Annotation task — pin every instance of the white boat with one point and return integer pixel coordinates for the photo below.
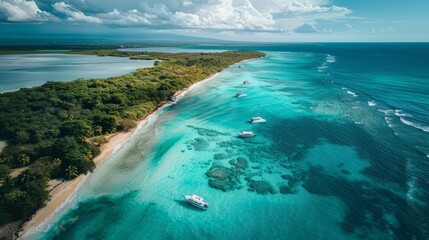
(196, 201)
(246, 82)
(246, 134)
(240, 95)
(257, 120)
(240, 66)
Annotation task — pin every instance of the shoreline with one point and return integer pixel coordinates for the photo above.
(62, 192)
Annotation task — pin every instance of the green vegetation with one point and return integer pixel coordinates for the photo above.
(55, 129)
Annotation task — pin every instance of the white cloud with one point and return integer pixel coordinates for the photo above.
(388, 29)
(274, 15)
(222, 15)
(23, 11)
(227, 33)
(295, 14)
(74, 14)
(308, 11)
(307, 28)
(187, 3)
(133, 17)
(213, 14)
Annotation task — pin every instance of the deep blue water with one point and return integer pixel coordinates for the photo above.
(344, 154)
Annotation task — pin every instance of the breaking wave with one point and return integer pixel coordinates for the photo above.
(330, 58)
(400, 113)
(415, 125)
(372, 103)
(352, 93)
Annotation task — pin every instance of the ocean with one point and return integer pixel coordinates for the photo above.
(343, 155)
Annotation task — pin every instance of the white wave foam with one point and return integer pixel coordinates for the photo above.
(400, 113)
(344, 88)
(388, 121)
(352, 93)
(412, 184)
(321, 68)
(386, 112)
(330, 58)
(415, 125)
(359, 122)
(372, 103)
(411, 189)
(427, 156)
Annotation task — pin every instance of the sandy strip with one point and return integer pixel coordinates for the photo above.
(61, 191)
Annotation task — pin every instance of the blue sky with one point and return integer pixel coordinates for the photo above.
(246, 20)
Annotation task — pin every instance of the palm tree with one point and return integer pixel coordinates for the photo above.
(26, 178)
(5, 159)
(23, 159)
(56, 167)
(88, 132)
(71, 172)
(98, 130)
(56, 161)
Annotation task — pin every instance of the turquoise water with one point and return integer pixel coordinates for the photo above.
(29, 70)
(333, 161)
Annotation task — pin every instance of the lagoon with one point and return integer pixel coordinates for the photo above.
(29, 70)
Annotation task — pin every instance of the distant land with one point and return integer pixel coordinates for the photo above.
(10, 41)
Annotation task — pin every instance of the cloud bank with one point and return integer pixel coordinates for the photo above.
(222, 15)
(23, 11)
(73, 14)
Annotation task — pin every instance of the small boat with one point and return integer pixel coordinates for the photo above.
(246, 134)
(196, 201)
(257, 120)
(240, 66)
(246, 82)
(240, 95)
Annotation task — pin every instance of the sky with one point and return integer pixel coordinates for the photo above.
(238, 20)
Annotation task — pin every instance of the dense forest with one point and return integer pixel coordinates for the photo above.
(55, 130)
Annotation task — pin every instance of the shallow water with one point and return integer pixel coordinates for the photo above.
(326, 165)
(29, 70)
